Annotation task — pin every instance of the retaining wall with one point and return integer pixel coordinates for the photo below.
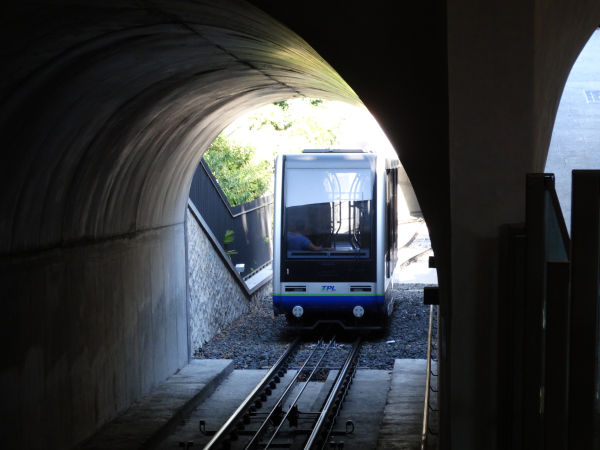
(216, 297)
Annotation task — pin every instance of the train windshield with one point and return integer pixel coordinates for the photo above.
(328, 212)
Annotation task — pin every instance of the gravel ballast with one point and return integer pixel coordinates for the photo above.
(256, 340)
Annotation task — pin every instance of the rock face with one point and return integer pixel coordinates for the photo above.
(215, 299)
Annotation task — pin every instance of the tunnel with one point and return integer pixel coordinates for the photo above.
(107, 108)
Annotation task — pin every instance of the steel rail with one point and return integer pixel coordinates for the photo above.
(247, 403)
(282, 397)
(330, 409)
(299, 394)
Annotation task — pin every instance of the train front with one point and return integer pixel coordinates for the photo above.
(325, 266)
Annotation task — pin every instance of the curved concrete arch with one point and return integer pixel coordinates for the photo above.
(506, 71)
(561, 35)
(105, 133)
(106, 111)
(576, 131)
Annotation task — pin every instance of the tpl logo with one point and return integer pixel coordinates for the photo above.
(327, 288)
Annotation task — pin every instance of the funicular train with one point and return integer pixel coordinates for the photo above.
(335, 238)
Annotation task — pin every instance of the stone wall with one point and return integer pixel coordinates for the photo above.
(216, 298)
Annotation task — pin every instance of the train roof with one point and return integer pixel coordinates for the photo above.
(333, 150)
(339, 155)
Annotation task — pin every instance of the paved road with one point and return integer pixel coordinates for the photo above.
(576, 137)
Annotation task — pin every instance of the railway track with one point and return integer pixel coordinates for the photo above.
(270, 416)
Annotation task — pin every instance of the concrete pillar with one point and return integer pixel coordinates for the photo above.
(507, 63)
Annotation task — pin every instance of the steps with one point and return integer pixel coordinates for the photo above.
(155, 415)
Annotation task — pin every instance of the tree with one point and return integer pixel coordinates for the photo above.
(282, 127)
(240, 177)
(290, 126)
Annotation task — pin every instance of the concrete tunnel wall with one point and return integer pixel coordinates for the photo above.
(107, 107)
(106, 111)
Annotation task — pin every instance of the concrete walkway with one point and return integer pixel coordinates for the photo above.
(149, 421)
(158, 413)
(402, 422)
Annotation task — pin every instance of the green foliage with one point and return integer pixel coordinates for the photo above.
(278, 126)
(228, 239)
(241, 178)
(292, 126)
(229, 236)
(283, 105)
(286, 126)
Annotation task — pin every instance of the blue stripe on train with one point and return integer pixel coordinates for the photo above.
(321, 303)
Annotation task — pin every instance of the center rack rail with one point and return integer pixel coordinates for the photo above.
(283, 425)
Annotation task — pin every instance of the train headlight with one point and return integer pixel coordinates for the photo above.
(358, 311)
(297, 311)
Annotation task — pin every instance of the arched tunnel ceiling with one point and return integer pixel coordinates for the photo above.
(107, 106)
(106, 109)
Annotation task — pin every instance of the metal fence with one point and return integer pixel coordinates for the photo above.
(251, 223)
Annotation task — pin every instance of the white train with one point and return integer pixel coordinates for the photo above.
(335, 237)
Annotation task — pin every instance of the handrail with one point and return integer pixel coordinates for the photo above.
(561, 220)
(428, 374)
(221, 252)
(248, 221)
(550, 188)
(542, 323)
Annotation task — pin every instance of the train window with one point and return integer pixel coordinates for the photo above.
(391, 218)
(328, 213)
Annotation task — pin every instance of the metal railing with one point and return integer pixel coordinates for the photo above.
(543, 361)
(533, 323)
(584, 337)
(428, 430)
(249, 224)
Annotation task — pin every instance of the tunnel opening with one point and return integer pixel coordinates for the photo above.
(576, 132)
(250, 334)
(347, 127)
